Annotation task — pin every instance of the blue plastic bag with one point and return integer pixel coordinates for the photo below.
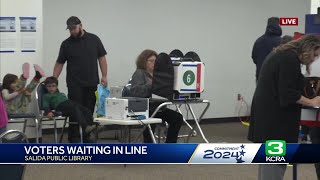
(103, 93)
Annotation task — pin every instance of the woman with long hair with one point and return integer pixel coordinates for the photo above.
(277, 101)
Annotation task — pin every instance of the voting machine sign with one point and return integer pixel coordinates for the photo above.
(189, 77)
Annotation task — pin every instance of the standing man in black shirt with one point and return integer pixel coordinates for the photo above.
(82, 51)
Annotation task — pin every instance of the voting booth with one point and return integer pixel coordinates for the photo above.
(188, 75)
(312, 25)
(188, 79)
(310, 115)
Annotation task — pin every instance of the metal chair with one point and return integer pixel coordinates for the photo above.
(22, 118)
(12, 171)
(126, 91)
(41, 90)
(16, 137)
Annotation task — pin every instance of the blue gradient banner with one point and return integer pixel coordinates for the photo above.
(262, 157)
(274, 151)
(96, 153)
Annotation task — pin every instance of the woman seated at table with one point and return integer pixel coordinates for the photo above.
(141, 87)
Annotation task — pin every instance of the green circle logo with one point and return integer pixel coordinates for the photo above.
(188, 78)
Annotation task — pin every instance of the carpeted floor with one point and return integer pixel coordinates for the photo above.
(222, 132)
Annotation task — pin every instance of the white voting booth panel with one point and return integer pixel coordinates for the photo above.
(310, 117)
(189, 77)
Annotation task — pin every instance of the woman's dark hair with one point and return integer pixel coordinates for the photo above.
(304, 47)
(51, 80)
(8, 79)
(143, 57)
(285, 39)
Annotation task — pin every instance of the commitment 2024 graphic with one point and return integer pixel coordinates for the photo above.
(274, 151)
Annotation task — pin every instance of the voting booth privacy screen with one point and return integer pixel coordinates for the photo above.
(310, 115)
(312, 25)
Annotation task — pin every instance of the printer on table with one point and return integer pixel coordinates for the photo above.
(127, 108)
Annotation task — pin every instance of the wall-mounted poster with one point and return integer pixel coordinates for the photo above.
(28, 30)
(8, 35)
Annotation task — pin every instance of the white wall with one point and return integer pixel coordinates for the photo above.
(221, 32)
(314, 6)
(12, 62)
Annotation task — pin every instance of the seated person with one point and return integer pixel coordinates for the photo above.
(54, 100)
(141, 87)
(15, 94)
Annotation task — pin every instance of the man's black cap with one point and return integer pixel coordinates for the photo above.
(73, 21)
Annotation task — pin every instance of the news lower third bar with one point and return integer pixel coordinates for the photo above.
(271, 152)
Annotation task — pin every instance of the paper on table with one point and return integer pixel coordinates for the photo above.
(154, 96)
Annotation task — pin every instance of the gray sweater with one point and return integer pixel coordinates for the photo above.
(141, 84)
